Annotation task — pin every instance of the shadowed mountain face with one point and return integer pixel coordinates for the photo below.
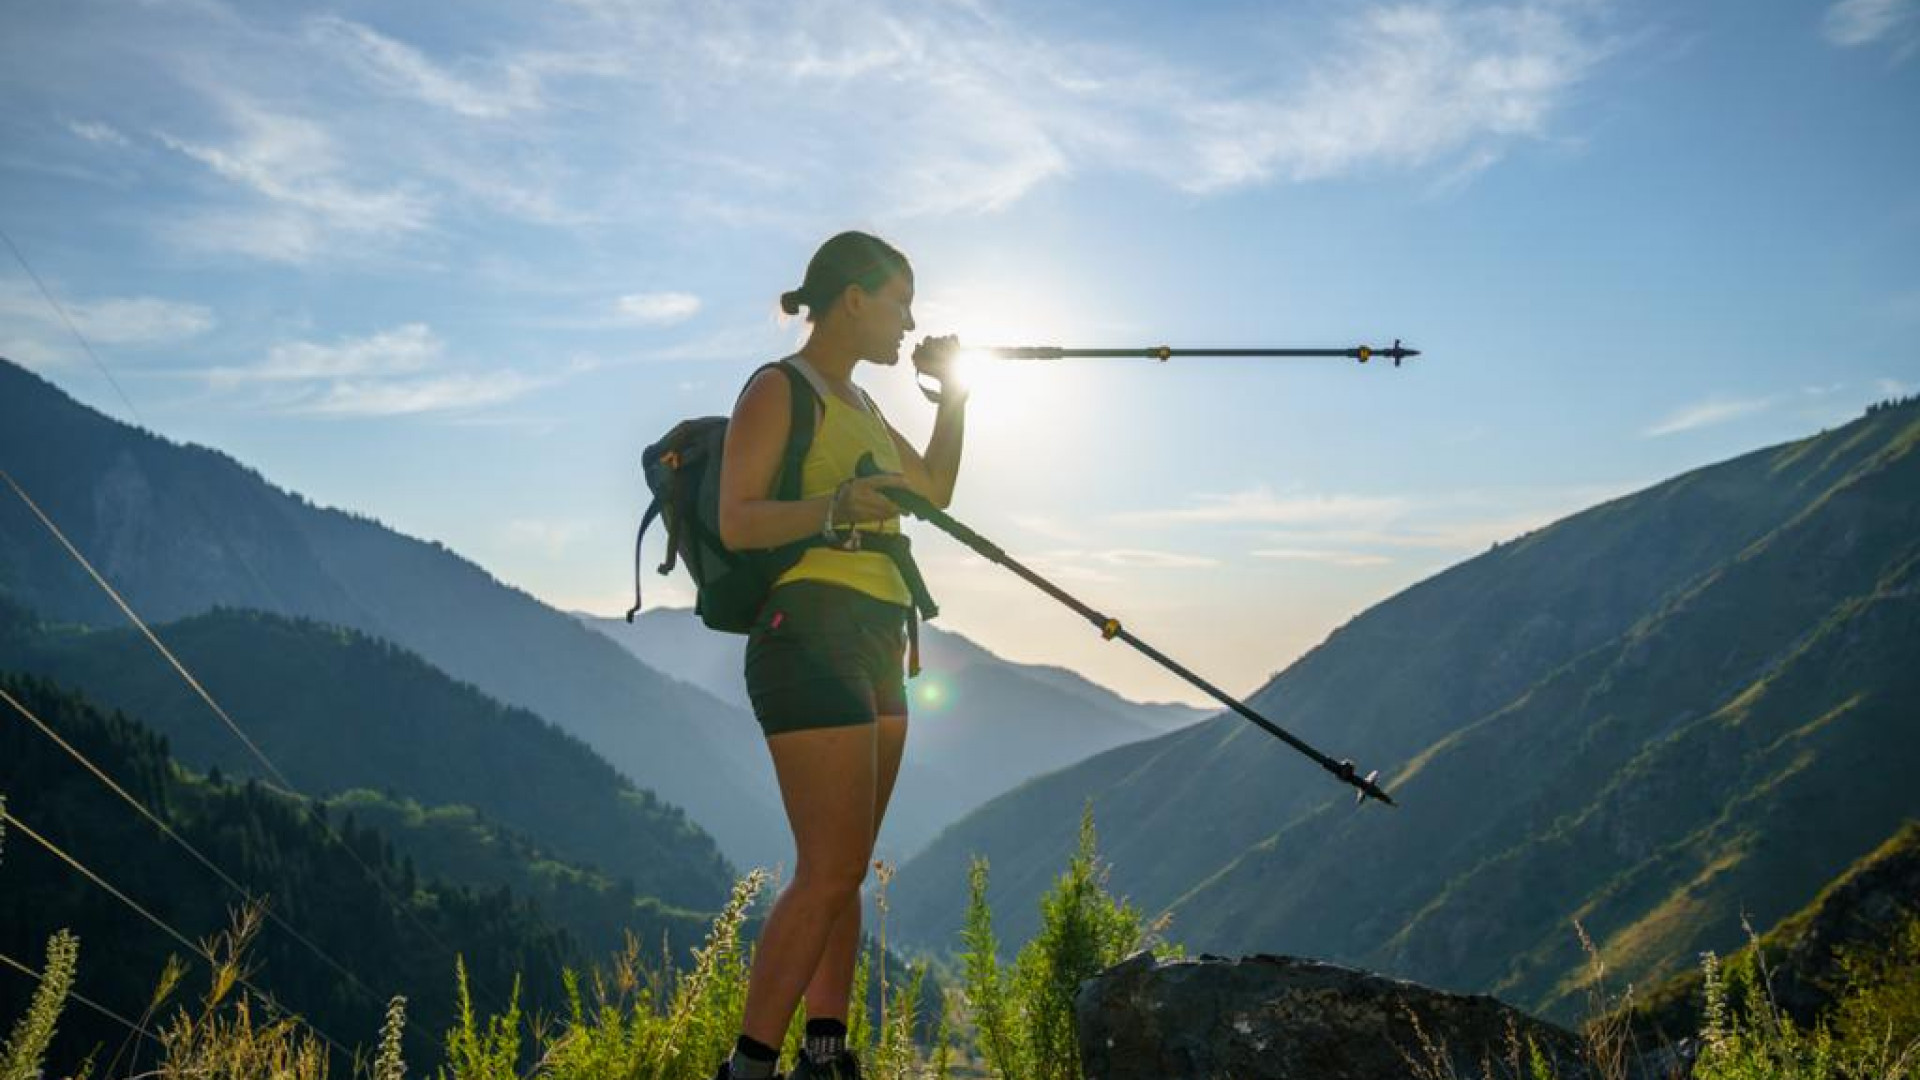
(981, 725)
(180, 530)
(1865, 910)
(1671, 706)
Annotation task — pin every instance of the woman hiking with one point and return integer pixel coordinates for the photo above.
(824, 657)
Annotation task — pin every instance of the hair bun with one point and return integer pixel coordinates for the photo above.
(790, 302)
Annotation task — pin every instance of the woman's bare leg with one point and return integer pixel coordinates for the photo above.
(828, 779)
(828, 994)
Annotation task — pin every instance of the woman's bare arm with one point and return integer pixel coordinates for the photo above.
(934, 475)
(756, 443)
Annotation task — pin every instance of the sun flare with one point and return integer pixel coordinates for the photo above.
(1007, 397)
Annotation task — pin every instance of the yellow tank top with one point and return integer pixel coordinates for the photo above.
(843, 434)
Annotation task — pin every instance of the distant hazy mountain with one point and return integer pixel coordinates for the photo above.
(1652, 715)
(181, 529)
(982, 725)
(336, 710)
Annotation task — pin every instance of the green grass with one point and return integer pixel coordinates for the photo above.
(643, 1019)
(637, 1019)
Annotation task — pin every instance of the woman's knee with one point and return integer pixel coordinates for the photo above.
(834, 879)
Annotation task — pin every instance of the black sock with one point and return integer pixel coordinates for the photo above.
(753, 1059)
(826, 1039)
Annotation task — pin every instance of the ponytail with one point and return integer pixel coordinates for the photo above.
(851, 258)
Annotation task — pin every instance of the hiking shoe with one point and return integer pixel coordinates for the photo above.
(844, 1067)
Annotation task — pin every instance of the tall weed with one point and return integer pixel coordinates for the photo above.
(224, 1039)
(1872, 1031)
(21, 1054)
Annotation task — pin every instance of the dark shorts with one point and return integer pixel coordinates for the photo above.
(823, 655)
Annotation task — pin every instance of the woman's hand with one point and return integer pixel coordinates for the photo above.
(861, 500)
(939, 357)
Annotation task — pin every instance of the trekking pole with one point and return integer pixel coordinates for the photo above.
(1163, 353)
(1110, 628)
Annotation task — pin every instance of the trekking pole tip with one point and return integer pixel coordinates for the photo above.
(1368, 788)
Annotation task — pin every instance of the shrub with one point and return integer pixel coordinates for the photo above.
(1879, 1002)
(1024, 1014)
(1872, 1032)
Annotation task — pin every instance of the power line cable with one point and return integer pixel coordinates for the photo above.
(54, 303)
(286, 785)
(245, 893)
(82, 999)
(9, 817)
(246, 564)
(71, 328)
(137, 621)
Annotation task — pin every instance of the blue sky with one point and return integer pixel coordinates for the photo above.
(453, 266)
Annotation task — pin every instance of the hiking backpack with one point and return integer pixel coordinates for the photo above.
(683, 473)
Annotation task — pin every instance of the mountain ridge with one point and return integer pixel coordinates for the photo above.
(180, 529)
(1503, 626)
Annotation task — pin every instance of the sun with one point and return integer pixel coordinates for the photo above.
(1008, 397)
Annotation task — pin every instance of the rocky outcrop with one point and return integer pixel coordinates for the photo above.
(1275, 1017)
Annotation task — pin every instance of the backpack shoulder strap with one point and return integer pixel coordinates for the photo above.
(800, 427)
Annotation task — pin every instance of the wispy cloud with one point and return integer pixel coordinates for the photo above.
(131, 321)
(1405, 85)
(98, 133)
(1851, 23)
(1259, 505)
(406, 70)
(1457, 522)
(389, 373)
(1141, 559)
(1049, 528)
(299, 179)
(140, 320)
(403, 350)
(988, 107)
(444, 393)
(1717, 410)
(657, 308)
(642, 110)
(1331, 558)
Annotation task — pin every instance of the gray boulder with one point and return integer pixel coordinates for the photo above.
(1274, 1017)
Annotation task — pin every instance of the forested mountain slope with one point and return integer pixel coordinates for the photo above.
(336, 710)
(342, 888)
